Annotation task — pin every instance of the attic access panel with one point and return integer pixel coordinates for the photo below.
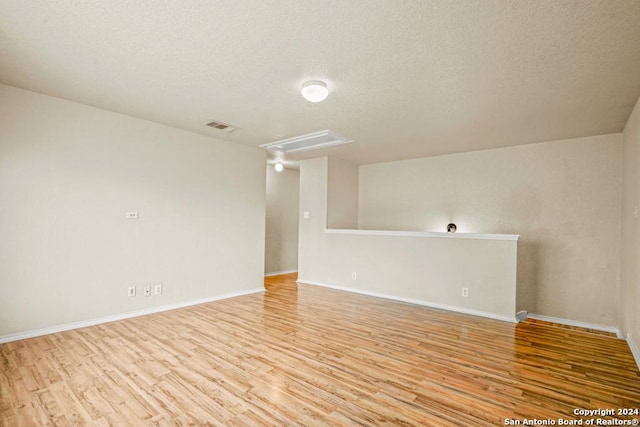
(312, 141)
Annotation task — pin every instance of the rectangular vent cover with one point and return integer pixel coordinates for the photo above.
(312, 141)
(221, 126)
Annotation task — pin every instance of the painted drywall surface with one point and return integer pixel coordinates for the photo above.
(68, 175)
(313, 204)
(562, 197)
(427, 269)
(630, 271)
(281, 251)
(342, 194)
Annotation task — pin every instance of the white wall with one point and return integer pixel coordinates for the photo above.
(342, 194)
(630, 275)
(562, 197)
(425, 270)
(283, 190)
(68, 174)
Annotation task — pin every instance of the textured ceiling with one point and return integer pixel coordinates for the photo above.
(407, 78)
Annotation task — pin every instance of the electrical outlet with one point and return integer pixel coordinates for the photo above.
(465, 292)
(147, 291)
(131, 291)
(157, 289)
(353, 276)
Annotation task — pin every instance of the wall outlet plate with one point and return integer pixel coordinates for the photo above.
(157, 289)
(147, 291)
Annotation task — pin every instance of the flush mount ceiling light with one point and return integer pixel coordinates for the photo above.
(315, 91)
(278, 167)
(312, 141)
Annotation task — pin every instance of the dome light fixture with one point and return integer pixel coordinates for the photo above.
(278, 167)
(451, 228)
(315, 91)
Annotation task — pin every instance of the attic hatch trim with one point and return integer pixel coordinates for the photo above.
(311, 141)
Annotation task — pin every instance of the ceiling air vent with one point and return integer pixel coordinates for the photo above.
(221, 126)
(312, 141)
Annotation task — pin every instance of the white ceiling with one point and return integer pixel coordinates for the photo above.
(407, 78)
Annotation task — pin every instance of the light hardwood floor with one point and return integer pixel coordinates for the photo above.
(304, 355)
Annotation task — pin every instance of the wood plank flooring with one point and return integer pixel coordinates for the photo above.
(303, 356)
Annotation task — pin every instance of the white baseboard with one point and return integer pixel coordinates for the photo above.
(577, 323)
(417, 302)
(112, 318)
(634, 349)
(277, 273)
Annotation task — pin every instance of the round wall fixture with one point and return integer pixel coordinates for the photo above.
(451, 228)
(315, 91)
(278, 167)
